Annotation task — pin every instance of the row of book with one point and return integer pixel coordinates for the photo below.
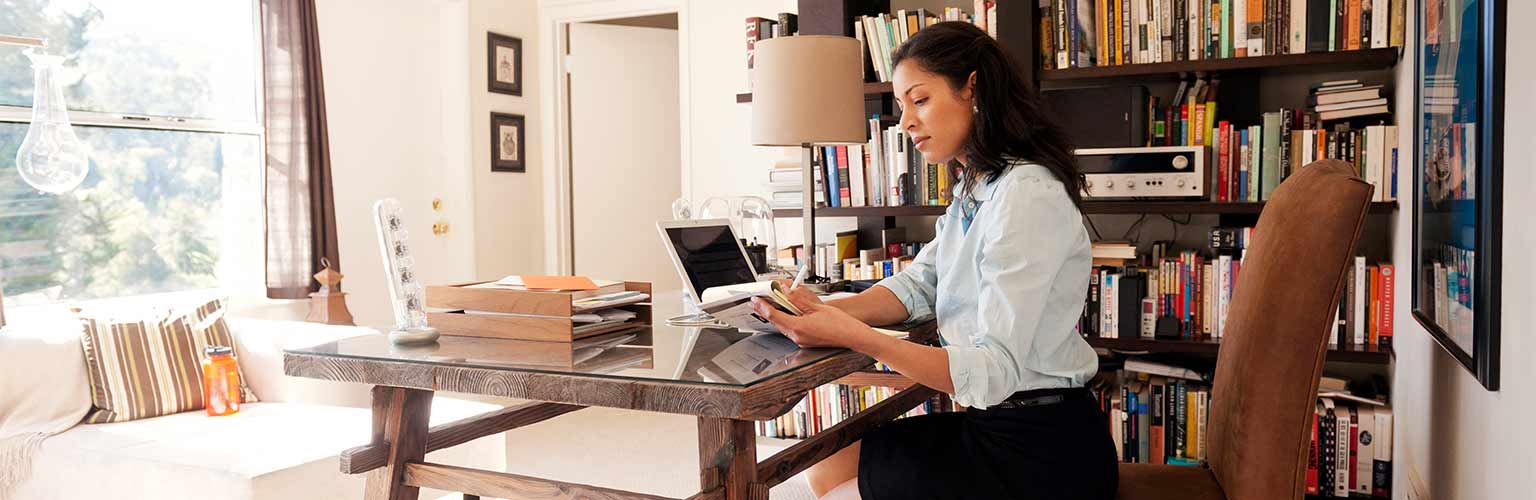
(829, 404)
(886, 171)
(1365, 310)
(881, 34)
(1250, 162)
(762, 28)
(846, 258)
(1160, 414)
(1089, 33)
(1186, 295)
(1351, 448)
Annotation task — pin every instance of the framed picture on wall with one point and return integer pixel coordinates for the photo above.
(1457, 199)
(504, 56)
(507, 145)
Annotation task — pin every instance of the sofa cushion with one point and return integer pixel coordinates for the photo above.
(268, 450)
(150, 365)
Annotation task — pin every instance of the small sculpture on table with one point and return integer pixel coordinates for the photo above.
(405, 292)
(329, 305)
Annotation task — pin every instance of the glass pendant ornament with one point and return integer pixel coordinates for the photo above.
(51, 158)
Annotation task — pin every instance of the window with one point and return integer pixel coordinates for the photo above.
(166, 94)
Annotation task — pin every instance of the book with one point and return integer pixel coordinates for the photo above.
(732, 304)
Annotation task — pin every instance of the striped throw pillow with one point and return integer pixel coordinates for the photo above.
(148, 367)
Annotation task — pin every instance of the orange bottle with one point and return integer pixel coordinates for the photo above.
(221, 381)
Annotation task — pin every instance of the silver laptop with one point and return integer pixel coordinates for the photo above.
(706, 253)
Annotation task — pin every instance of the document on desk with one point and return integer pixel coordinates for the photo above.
(732, 304)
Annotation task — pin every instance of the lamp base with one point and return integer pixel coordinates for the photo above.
(413, 336)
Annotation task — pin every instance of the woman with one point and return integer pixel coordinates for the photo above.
(1005, 275)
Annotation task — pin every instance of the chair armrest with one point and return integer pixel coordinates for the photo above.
(260, 344)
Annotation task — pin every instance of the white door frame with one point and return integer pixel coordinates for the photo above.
(554, 15)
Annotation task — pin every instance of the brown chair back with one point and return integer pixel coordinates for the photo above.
(1282, 312)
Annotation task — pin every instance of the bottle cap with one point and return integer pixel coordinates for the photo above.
(218, 350)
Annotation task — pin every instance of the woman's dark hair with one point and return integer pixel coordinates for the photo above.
(1009, 121)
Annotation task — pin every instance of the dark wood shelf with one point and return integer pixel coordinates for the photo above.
(870, 89)
(1348, 353)
(1352, 59)
(1089, 207)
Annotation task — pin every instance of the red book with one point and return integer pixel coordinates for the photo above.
(1384, 336)
(1374, 275)
(752, 23)
(844, 194)
(1312, 459)
(1354, 447)
(1219, 147)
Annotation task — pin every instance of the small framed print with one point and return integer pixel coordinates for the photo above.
(505, 56)
(507, 143)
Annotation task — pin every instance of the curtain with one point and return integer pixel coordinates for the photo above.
(300, 208)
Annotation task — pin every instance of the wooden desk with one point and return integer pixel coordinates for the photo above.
(728, 379)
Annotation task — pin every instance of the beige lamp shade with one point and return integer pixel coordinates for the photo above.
(807, 89)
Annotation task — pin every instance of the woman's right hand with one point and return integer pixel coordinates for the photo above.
(802, 297)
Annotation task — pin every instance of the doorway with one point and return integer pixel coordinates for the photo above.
(624, 145)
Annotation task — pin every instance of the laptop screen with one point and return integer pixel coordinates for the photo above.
(710, 256)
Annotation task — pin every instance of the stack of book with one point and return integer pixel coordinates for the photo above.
(1365, 310)
(1450, 271)
(882, 34)
(885, 172)
(1088, 33)
(1351, 448)
(1347, 99)
(785, 182)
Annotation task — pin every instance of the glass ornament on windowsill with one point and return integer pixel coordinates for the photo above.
(51, 158)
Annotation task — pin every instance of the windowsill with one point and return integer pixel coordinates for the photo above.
(240, 305)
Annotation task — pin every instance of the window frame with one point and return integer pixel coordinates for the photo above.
(256, 127)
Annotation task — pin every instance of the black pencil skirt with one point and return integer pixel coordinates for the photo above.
(1058, 451)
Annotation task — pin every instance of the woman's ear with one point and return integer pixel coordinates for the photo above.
(970, 86)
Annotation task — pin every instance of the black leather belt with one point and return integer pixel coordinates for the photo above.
(1041, 397)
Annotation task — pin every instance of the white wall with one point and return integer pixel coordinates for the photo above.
(397, 96)
(723, 161)
(1452, 438)
(508, 207)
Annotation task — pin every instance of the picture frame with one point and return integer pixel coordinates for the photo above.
(1457, 179)
(504, 64)
(508, 147)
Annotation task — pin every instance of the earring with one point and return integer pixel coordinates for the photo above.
(974, 109)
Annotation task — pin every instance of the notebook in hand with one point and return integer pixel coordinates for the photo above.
(732, 304)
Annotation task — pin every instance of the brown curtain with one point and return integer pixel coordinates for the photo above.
(301, 211)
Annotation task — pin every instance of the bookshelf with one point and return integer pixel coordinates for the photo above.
(1091, 207)
(1250, 86)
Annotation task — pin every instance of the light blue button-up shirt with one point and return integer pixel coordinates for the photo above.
(1007, 287)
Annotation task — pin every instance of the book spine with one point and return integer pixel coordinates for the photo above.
(1388, 281)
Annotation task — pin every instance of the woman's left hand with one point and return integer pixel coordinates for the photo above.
(819, 325)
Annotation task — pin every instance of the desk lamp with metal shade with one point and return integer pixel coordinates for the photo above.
(808, 90)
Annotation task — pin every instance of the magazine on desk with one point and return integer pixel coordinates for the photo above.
(732, 304)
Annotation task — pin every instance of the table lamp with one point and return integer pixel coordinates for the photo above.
(808, 90)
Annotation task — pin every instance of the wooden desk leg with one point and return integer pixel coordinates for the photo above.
(728, 458)
(402, 414)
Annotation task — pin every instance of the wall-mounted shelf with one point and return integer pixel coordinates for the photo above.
(1348, 353)
(1383, 58)
(870, 89)
(1089, 207)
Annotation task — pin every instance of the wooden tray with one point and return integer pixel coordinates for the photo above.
(528, 314)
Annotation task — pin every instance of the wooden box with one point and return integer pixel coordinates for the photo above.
(525, 314)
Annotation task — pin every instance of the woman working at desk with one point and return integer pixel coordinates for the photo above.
(1005, 275)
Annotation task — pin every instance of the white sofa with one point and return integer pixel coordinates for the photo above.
(282, 447)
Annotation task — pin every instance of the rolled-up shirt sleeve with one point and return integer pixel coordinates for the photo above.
(917, 286)
(1021, 255)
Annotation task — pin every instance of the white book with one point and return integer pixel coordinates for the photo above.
(1383, 437)
(856, 171)
(1359, 301)
(1298, 26)
(1239, 27)
(872, 40)
(900, 19)
(1165, 24)
(1308, 149)
(877, 164)
(1153, 368)
(1192, 19)
(1375, 153)
(1365, 452)
(883, 26)
(1225, 289)
(1379, 17)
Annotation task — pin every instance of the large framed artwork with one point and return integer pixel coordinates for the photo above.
(507, 143)
(1457, 202)
(504, 73)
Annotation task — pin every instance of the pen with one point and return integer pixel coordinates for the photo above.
(800, 276)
